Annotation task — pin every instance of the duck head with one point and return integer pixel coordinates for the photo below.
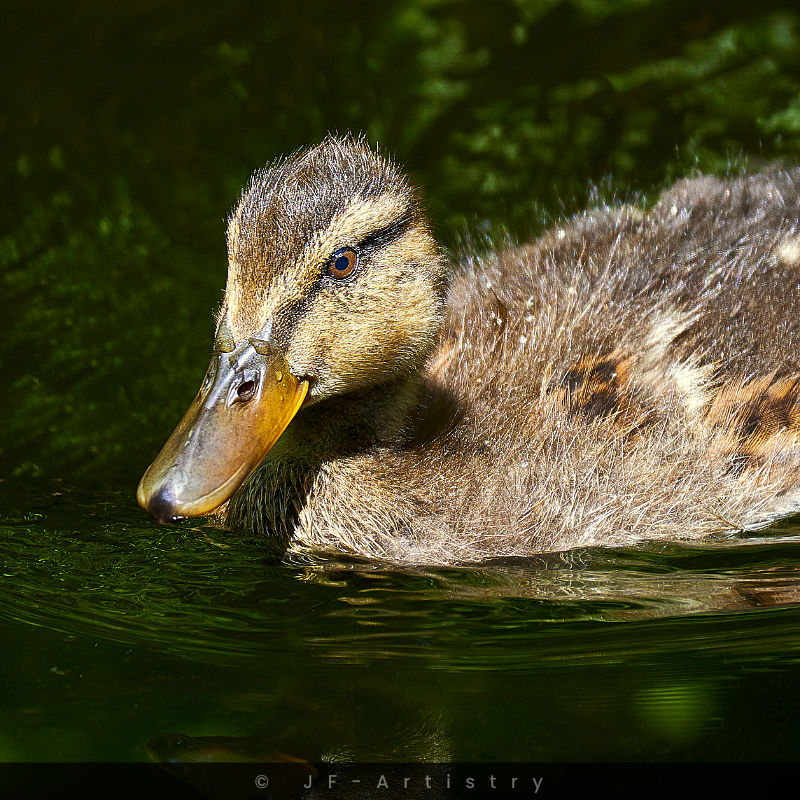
(335, 284)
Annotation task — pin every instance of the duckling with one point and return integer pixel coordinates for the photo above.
(629, 376)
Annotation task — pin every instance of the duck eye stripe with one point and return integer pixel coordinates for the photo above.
(386, 235)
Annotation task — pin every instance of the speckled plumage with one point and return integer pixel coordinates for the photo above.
(628, 376)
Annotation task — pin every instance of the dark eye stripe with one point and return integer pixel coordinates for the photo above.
(344, 262)
(380, 238)
(389, 233)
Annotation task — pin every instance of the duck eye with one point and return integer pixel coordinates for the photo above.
(342, 263)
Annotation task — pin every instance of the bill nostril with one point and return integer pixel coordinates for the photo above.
(246, 390)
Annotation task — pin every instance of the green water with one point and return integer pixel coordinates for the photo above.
(116, 629)
(126, 137)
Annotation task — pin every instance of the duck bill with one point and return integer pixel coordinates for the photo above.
(245, 404)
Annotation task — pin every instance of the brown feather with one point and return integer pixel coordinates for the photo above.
(628, 376)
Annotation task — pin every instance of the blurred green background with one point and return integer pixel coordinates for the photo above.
(127, 132)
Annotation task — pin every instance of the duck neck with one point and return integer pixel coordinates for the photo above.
(398, 414)
(352, 423)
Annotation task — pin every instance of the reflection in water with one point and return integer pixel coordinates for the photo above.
(609, 584)
(346, 735)
(180, 755)
(676, 712)
(119, 630)
(182, 749)
(345, 729)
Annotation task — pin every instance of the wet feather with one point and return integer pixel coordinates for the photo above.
(628, 376)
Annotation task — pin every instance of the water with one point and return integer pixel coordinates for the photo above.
(117, 629)
(130, 135)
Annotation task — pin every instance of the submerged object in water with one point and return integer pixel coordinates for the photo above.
(211, 764)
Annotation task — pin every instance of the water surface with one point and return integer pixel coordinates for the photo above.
(117, 629)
